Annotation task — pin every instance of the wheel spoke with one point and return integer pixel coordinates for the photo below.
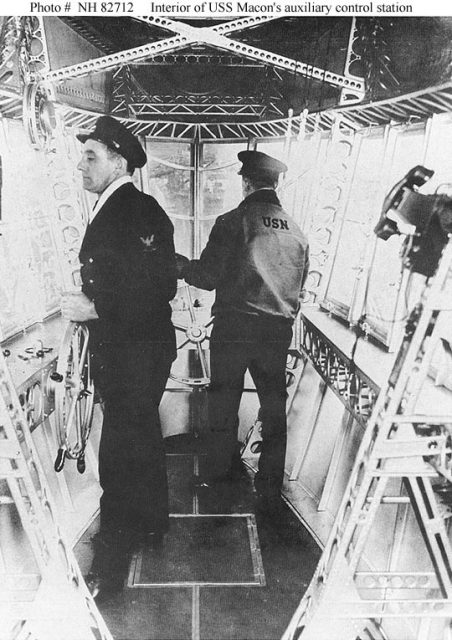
(203, 361)
(83, 354)
(182, 344)
(78, 423)
(180, 327)
(70, 416)
(76, 352)
(190, 305)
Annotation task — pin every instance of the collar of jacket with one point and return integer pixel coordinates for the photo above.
(262, 195)
(108, 192)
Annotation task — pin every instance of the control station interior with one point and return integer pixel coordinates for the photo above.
(361, 549)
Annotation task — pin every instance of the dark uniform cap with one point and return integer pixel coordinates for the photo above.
(256, 163)
(117, 138)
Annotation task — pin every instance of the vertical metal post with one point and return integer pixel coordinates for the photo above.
(196, 190)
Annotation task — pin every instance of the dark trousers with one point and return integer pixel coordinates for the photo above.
(131, 379)
(239, 343)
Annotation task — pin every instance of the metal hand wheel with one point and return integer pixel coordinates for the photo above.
(73, 388)
(195, 332)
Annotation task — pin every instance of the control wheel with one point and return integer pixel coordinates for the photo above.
(73, 389)
(39, 115)
(188, 320)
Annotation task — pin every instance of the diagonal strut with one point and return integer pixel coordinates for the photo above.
(187, 34)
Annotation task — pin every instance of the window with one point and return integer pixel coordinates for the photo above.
(220, 186)
(170, 181)
(31, 274)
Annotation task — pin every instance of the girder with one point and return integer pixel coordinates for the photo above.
(349, 96)
(114, 60)
(171, 108)
(207, 99)
(187, 34)
(218, 59)
(198, 105)
(400, 109)
(223, 28)
(215, 36)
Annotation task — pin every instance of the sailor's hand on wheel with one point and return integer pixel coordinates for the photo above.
(181, 263)
(77, 307)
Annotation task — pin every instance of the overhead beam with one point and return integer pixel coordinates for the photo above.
(184, 109)
(187, 34)
(113, 60)
(199, 100)
(215, 36)
(221, 29)
(219, 58)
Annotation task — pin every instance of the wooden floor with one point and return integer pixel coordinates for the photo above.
(226, 570)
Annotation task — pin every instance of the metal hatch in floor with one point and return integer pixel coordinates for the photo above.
(202, 550)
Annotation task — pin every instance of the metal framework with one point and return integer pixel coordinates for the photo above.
(356, 390)
(33, 56)
(54, 602)
(413, 106)
(208, 57)
(407, 108)
(122, 90)
(400, 446)
(214, 36)
(222, 107)
(350, 95)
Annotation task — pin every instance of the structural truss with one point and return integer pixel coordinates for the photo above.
(214, 36)
(141, 106)
(407, 108)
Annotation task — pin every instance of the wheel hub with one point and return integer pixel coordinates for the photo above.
(196, 333)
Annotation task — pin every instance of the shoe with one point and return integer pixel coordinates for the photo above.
(102, 588)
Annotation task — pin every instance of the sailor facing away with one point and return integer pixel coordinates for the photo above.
(256, 259)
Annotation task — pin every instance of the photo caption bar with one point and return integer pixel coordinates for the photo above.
(229, 8)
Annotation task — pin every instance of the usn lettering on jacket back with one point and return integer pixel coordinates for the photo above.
(275, 223)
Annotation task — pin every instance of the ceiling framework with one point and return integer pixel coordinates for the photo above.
(254, 109)
(400, 110)
(207, 47)
(183, 38)
(130, 99)
(10, 102)
(181, 105)
(215, 36)
(217, 58)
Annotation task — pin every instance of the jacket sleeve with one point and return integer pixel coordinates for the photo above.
(211, 268)
(154, 265)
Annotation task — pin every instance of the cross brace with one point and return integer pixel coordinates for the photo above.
(214, 36)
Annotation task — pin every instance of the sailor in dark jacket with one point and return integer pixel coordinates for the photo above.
(256, 259)
(128, 272)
